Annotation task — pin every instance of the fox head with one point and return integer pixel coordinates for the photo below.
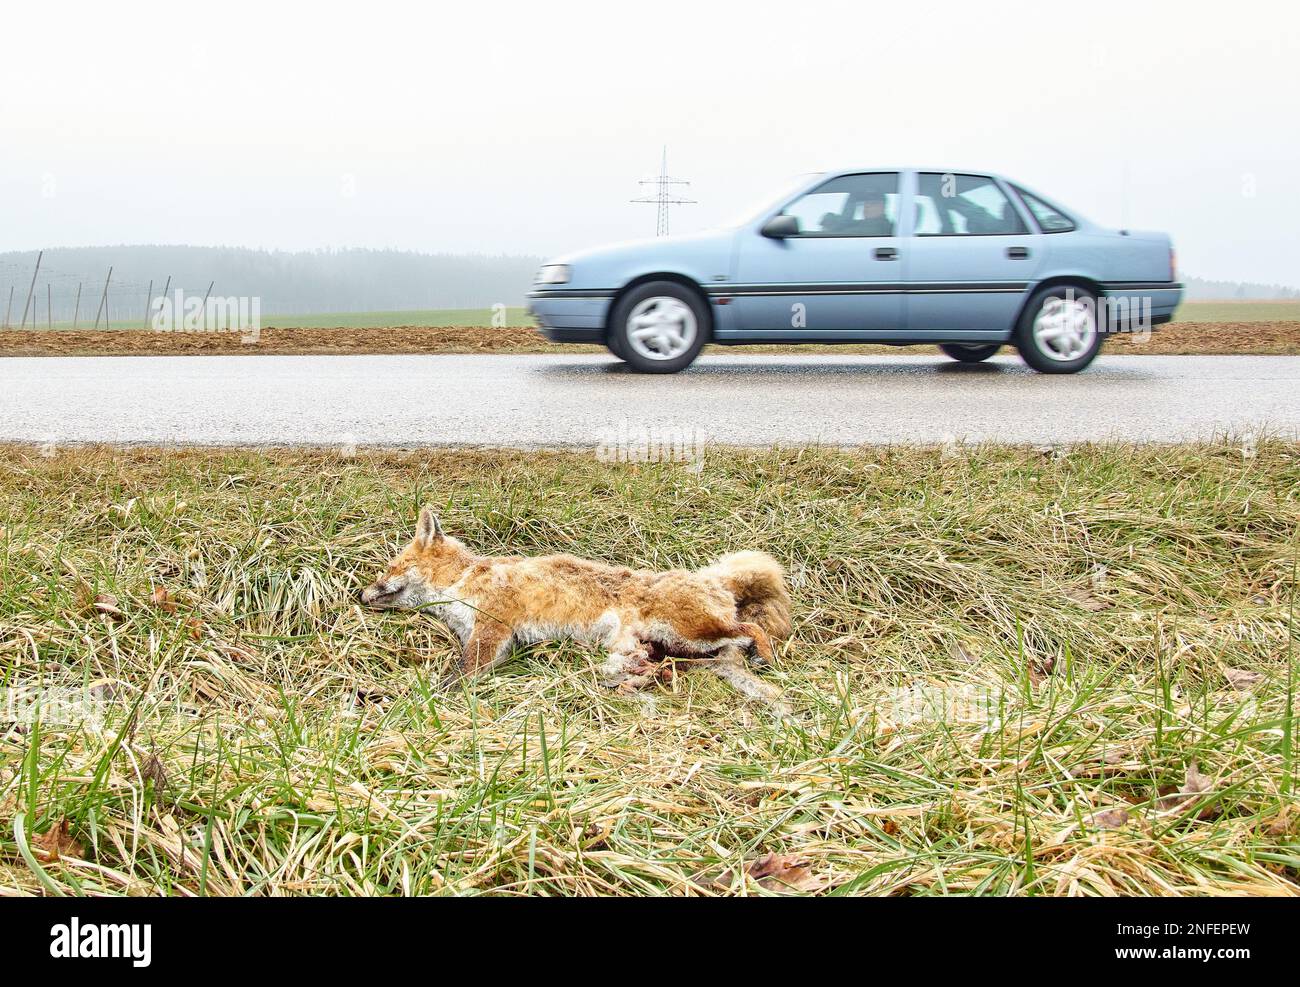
(421, 571)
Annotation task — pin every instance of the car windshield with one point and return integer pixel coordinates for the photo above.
(769, 202)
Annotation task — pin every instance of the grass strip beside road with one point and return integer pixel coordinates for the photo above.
(1014, 671)
(1220, 338)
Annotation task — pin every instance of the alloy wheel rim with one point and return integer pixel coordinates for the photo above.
(661, 328)
(1065, 328)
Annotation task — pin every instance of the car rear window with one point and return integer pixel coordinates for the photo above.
(1049, 218)
(963, 205)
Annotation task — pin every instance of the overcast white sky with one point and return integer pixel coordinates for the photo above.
(524, 128)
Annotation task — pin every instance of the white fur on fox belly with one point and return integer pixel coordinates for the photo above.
(461, 615)
(604, 630)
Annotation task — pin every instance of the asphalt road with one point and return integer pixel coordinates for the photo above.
(593, 402)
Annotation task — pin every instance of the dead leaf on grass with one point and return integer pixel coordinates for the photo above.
(162, 599)
(783, 872)
(1110, 818)
(153, 770)
(1241, 679)
(106, 603)
(57, 842)
(1086, 599)
(105, 689)
(959, 652)
(1281, 824)
(1193, 785)
(370, 695)
(773, 871)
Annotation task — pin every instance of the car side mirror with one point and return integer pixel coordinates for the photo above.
(780, 227)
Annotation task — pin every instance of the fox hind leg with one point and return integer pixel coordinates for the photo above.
(762, 643)
(744, 634)
(731, 668)
(737, 639)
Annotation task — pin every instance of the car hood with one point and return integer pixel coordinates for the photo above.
(710, 245)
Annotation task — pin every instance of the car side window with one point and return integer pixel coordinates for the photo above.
(850, 205)
(1049, 218)
(963, 205)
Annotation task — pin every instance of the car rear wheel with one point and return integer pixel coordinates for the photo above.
(1058, 332)
(659, 327)
(965, 353)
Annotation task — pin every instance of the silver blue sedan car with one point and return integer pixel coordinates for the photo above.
(968, 260)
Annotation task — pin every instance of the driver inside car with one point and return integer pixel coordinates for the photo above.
(874, 222)
(860, 217)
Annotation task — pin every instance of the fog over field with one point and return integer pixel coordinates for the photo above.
(301, 282)
(521, 130)
(286, 282)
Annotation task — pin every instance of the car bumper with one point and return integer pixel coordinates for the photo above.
(1133, 306)
(570, 316)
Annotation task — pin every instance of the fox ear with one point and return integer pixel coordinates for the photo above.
(428, 528)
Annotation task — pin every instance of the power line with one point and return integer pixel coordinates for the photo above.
(663, 196)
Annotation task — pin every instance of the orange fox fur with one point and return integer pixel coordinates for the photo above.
(716, 614)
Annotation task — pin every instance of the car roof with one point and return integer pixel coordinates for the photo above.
(923, 168)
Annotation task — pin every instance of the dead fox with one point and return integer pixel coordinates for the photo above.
(716, 615)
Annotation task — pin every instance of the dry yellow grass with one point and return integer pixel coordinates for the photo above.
(1180, 337)
(1013, 672)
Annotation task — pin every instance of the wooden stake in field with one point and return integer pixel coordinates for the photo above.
(171, 322)
(205, 305)
(103, 299)
(32, 288)
(148, 303)
(77, 309)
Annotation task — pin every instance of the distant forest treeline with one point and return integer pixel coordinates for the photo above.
(288, 282)
(303, 282)
(1201, 289)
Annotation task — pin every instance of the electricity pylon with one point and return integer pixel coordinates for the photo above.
(663, 196)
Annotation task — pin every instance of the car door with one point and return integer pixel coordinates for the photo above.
(970, 259)
(838, 277)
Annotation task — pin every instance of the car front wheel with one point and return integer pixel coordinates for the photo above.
(614, 346)
(1058, 332)
(964, 353)
(659, 327)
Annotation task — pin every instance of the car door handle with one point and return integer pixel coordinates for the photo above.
(886, 253)
(1018, 253)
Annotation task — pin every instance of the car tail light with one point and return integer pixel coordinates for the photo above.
(1173, 264)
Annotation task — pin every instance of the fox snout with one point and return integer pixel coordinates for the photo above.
(381, 593)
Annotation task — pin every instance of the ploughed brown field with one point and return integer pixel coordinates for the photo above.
(1271, 338)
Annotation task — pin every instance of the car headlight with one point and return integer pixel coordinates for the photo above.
(553, 274)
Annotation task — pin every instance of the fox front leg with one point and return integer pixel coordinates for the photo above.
(487, 645)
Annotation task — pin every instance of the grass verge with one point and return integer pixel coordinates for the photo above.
(517, 316)
(1259, 338)
(1013, 672)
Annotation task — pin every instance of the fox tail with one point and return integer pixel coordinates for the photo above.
(758, 583)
